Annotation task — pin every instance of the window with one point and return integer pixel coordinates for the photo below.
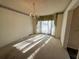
(46, 27)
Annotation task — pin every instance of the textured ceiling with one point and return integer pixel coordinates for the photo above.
(42, 7)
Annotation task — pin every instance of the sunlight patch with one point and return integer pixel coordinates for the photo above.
(29, 43)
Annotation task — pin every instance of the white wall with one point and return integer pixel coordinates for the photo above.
(64, 39)
(13, 26)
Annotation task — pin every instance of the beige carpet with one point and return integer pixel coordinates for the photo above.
(51, 49)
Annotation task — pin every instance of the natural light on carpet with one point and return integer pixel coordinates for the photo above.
(26, 45)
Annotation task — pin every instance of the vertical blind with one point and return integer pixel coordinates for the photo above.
(46, 27)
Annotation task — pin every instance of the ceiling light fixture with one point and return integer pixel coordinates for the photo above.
(33, 13)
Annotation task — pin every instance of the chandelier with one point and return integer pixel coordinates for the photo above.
(33, 12)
